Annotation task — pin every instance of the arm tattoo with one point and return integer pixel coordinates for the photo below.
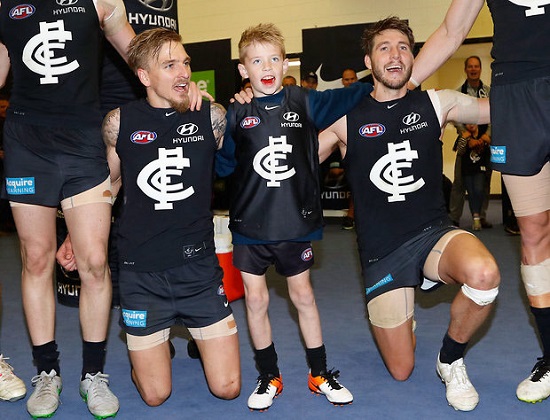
(217, 115)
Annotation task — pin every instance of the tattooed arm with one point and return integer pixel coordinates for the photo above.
(217, 115)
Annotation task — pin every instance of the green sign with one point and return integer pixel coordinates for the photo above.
(205, 80)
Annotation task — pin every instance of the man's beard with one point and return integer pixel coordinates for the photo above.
(181, 106)
(392, 84)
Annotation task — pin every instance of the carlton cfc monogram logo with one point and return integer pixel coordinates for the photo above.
(156, 178)
(534, 6)
(387, 172)
(39, 52)
(267, 162)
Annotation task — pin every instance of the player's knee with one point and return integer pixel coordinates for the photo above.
(483, 273)
(227, 389)
(37, 259)
(480, 297)
(256, 300)
(302, 298)
(154, 397)
(402, 370)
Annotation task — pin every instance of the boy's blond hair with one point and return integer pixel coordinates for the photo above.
(147, 45)
(264, 33)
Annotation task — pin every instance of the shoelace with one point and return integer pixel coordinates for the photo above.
(5, 367)
(459, 375)
(44, 384)
(263, 383)
(99, 387)
(330, 376)
(541, 368)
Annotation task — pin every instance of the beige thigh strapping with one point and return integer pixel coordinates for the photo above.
(99, 194)
(393, 308)
(431, 265)
(529, 194)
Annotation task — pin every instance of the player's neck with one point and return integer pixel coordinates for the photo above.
(384, 93)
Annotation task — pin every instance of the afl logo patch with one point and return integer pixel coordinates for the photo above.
(307, 255)
(372, 130)
(143, 137)
(250, 122)
(221, 290)
(22, 11)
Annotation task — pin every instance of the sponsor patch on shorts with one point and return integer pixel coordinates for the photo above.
(221, 290)
(136, 319)
(307, 255)
(498, 154)
(384, 281)
(20, 186)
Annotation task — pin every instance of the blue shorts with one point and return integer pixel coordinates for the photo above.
(289, 258)
(191, 294)
(403, 266)
(520, 121)
(45, 165)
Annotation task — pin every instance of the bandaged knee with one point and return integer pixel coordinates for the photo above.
(392, 308)
(480, 297)
(223, 328)
(536, 278)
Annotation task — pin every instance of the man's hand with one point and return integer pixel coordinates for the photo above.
(65, 255)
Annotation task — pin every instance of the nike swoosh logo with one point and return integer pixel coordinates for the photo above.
(337, 83)
(269, 108)
(170, 113)
(392, 105)
(226, 304)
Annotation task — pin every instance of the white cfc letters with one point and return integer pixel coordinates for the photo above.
(39, 52)
(387, 173)
(156, 178)
(534, 6)
(267, 162)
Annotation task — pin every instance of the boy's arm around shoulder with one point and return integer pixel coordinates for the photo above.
(330, 105)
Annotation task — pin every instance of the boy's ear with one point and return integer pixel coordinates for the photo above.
(285, 65)
(242, 70)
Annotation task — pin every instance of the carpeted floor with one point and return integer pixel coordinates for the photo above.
(499, 357)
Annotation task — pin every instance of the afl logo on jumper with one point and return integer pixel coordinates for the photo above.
(372, 130)
(22, 11)
(157, 179)
(143, 137)
(39, 54)
(187, 129)
(250, 122)
(307, 255)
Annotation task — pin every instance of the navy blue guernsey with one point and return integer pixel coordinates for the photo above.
(167, 169)
(119, 84)
(272, 145)
(56, 69)
(516, 26)
(277, 192)
(394, 165)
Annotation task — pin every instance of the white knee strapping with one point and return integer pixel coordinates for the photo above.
(480, 297)
(536, 278)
